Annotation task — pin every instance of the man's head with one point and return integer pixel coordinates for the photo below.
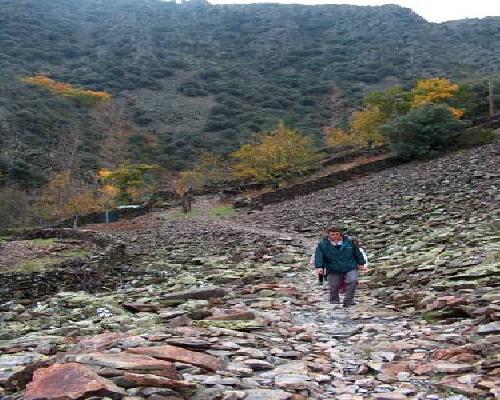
(334, 233)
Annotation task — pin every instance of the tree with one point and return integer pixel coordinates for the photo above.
(390, 103)
(131, 182)
(116, 131)
(423, 132)
(83, 201)
(14, 207)
(65, 196)
(435, 91)
(340, 139)
(211, 171)
(275, 157)
(366, 126)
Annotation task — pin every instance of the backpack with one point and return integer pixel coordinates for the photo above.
(356, 247)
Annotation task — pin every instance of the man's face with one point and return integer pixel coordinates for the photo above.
(335, 236)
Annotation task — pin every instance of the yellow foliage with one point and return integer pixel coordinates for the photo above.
(186, 180)
(457, 112)
(210, 171)
(67, 90)
(104, 173)
(64, 197)
(275, 156)
(131, 182)
(433, 90)
(83, 202)
(336, 137)
(366, 126)
(108, 195)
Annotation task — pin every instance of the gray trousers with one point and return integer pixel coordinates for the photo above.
(334, 281)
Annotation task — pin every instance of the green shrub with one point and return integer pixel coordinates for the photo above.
(192, 89)
(14, 208)
(474, 137)
(423, 132)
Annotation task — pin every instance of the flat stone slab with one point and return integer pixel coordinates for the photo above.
(489, 329)
(158, 381)
(389, 396)
(69, 381)
(290, 368)
(197, 294)
(267, 394)
(169, 313)
(292, 381)
(451, 368)
(142, 307)
(258, 365)
(124, 360)
(101, 342)
(189, 343)
(174, 353)
(231, 315)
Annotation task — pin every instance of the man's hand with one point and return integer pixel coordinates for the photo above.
(320, 271)
(363, 268)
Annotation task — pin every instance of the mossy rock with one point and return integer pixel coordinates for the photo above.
(224, 278)
(40, 264)
(170, 303)
(453, 313)
(236, 325)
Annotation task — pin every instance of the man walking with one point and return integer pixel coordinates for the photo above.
(341, 258)
(186, 200)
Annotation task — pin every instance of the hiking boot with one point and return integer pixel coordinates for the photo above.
(352, 303)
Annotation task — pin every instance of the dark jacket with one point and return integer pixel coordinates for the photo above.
(337, 261)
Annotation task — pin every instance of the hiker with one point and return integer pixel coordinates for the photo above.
(341, 257)
(186, 200)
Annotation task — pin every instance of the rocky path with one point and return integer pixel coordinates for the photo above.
(228, 308)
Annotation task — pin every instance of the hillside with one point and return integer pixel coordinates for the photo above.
(194, 76)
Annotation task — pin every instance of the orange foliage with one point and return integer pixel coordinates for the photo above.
(64, 197)
(67, 90)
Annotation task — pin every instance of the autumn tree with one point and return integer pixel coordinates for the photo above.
(211, 171)
(275, 156)
(65, 196)
(366, 126)
(340, 139)
(130, 182)
(115, 130)
(435, 91)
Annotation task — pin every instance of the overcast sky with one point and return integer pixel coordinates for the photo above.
(431, 10)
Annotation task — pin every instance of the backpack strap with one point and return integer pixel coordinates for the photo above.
(355, 246)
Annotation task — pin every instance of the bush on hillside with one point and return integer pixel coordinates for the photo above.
(474, 137)
(423, 132)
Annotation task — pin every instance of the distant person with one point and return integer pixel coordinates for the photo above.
(187, 200)
(340, 257)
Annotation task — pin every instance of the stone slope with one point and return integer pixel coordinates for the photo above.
(230, 309)
(429, 227)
